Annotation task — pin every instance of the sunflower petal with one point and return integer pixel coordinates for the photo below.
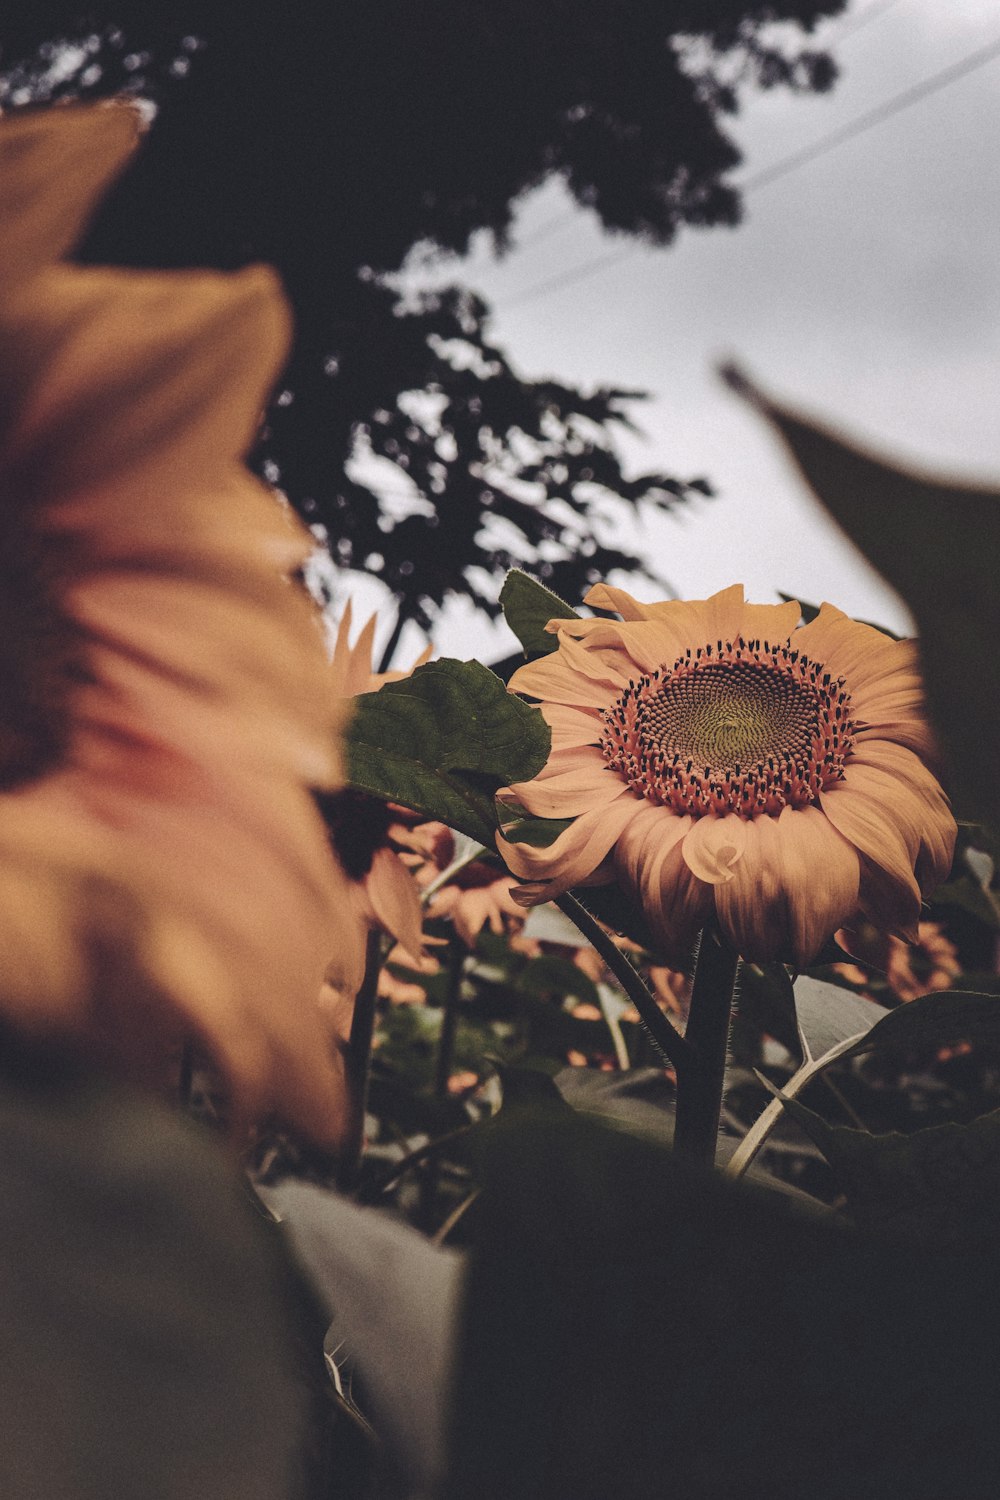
(714, 847)
(574, 855)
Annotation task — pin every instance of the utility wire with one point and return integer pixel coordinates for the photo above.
(862, 18)
(871, 118)
(854, 23)
(876, 116)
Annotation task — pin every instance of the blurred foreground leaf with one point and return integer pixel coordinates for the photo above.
(394, 1302)
(145, 1346)
(938, 543)
(528, 606)
(442, 740)
(634, 1329)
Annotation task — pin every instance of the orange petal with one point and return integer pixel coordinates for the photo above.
(586, 783)
(603, 596)
(714, 846)
(648, 644)
(53, 169)
(572, 727)
(886, 843)
(675, 902)
(896, 778)
(795, 885)
(773, 623)
(359, 677)
(860, 653)
(395, 900)
(141, 378)
(647, 841)
(575, 854)
(554, 679)
(723, 613)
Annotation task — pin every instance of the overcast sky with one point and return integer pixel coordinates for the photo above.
(864, 285)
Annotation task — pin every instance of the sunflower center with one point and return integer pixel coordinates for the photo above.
(741, 727)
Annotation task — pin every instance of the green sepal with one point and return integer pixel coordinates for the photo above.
(528, 606)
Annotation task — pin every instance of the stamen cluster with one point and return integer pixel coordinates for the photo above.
(741, 726)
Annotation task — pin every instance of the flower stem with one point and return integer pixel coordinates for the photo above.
(700, 1083)
(671, 1044)
(449, 1019)
(358, 1064)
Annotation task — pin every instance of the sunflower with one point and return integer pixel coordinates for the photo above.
(719, 759)
(163, 870)
(367, 833)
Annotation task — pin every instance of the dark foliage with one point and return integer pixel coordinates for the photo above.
(332, 141)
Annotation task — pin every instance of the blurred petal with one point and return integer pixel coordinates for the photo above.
(168, 873)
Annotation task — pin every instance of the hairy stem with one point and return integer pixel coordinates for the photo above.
(671, 1044)
(449, 1019)
(358, 1064)
(700, 1084)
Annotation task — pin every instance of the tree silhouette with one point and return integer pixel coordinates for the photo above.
(332, 144)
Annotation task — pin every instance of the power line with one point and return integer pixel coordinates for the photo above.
(871, 118)
(876, 116)
(864, 17)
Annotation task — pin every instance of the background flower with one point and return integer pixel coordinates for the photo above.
(717, 760)
(363, 829)
(162, 867)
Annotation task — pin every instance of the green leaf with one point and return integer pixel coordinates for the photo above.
(539, 832)
(936, 1020)
(941, 1184)
(828, 1016)
(599, 1262)
(938, 543)
(832, 1023)
(766, 1002)
(528, 606)
(441, 742)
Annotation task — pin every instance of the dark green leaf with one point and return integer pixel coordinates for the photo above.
(941, 1184)
(766, 1002)
(936, 1020)
(539, 832)
(528, 606)
(441, 742)
(968, 895)
(938, 543)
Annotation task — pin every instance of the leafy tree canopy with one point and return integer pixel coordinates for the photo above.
(332, 141)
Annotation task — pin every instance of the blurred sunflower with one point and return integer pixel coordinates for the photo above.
(367, 834)
(163, 870)
(911, 970)
(716, 759)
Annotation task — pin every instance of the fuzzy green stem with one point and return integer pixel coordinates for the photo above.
(700, 1084)
(449, 1019)
(671, 1044)
(358, 1064)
